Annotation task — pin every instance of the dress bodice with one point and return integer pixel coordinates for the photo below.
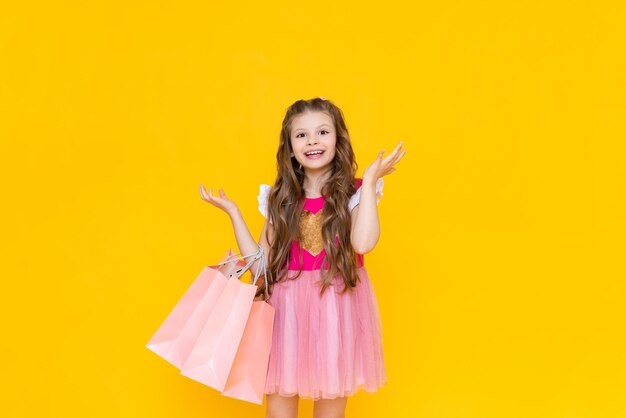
(311, 249)
(311, 245)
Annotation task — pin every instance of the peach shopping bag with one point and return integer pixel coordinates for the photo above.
(246, 380)
(175, 338)
(212, 356)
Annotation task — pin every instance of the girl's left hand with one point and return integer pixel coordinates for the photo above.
(383, 166)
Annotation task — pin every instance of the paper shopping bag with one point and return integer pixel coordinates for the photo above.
(176, 336)
(246, 380)
(211, 358)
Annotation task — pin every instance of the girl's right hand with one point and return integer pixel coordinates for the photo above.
(221, 202)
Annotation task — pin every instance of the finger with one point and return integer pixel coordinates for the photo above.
(222, 193)
(203, 192)
(397, 157)
(395, 152)
(379, 157)
(397, 148)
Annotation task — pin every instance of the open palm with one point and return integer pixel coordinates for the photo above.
(222, 202)
(383, 166)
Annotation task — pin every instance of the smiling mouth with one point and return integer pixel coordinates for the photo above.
(313, 153)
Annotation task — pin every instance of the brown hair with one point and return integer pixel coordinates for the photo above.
(286, 200)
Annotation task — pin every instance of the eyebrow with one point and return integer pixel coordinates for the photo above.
(323, 124)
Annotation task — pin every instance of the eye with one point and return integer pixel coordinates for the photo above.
(323, 130)
(298, 135)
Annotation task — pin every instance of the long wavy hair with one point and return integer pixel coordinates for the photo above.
(286, 200)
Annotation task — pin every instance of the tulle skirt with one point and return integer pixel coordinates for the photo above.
(328, 346)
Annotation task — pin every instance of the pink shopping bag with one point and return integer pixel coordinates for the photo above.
(246, 380)
(176, 336)
(213, 353)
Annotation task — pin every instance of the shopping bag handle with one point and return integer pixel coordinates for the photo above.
(259, 255)
(256, 277)
(237, 257)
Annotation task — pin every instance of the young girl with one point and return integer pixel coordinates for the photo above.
(320, 221)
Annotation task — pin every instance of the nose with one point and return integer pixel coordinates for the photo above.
(312, 140)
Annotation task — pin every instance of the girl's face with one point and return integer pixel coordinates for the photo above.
(313, 140)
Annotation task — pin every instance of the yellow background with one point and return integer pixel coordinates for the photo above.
(499, 272)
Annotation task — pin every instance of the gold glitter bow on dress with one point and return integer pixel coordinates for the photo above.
(311, 231)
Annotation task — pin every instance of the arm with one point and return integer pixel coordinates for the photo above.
(365, 228)
(245, 242)
(247, 245)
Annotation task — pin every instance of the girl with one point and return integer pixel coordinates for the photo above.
(320, 221)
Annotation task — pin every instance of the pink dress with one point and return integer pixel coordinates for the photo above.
(328, 346)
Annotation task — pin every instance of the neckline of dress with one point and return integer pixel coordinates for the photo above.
(313, 198)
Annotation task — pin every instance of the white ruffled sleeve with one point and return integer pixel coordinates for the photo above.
(354, 200)
(264, 193)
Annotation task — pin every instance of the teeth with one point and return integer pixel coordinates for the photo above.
(314, 152)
